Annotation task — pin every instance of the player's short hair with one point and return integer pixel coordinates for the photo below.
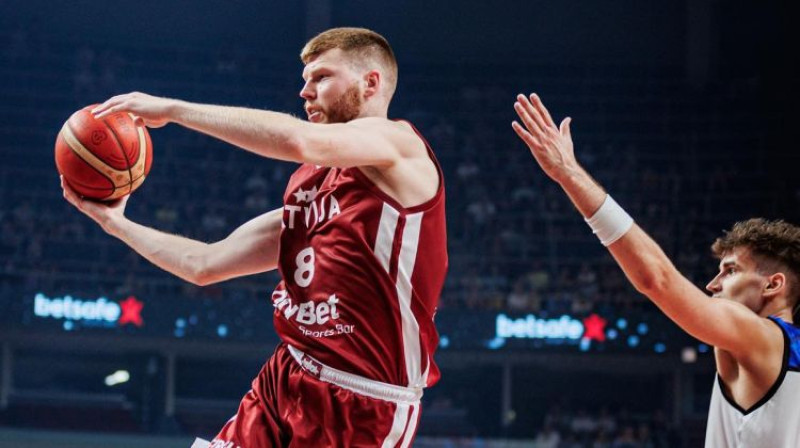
(775, 246)
(360, 43)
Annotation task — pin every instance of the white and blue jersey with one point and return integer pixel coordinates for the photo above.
(774, 421)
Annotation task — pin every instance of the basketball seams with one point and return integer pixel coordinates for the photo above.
(87, 156)
(73, 183)
(83, 152)
(122, 150)
(98, 170)
(140, 166)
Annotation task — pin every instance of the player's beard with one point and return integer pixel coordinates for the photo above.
(347, 107)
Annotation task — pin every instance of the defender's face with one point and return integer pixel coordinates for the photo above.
(332, 91)
(739, 280)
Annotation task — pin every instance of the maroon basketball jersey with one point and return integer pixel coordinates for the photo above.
(361, 275)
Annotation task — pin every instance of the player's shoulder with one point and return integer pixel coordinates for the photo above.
(383, 124)
(791, 336)
(399, 132)
(788, 329)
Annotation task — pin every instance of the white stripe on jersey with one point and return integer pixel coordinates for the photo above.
(398, 426)
(412, 428)
(424, 379)
(405, 269)
(200, 443)
(386, 230)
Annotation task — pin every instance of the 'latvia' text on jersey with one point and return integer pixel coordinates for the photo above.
(361, 275)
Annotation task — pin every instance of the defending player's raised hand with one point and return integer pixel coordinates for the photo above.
(103, 213)
(550, 145)
(153, 111)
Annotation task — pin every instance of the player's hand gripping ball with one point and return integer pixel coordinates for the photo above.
(103, 159)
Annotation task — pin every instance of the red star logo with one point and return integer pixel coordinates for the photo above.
(131, 312)
(594, 326)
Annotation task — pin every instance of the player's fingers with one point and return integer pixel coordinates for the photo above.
(114, 101)
(530, 140)
(106, 104)
(70, 195)
(100, 111)
(526, 119)
(100, 107)
(564, 128)
(66, 196)
(63, 183)
(534, 114)
(537, 103)
(111, 110)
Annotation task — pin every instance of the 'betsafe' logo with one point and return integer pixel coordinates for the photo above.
(99, 312)
(591, 328)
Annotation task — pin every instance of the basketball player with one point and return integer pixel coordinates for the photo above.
(748, 319)
(360, 244)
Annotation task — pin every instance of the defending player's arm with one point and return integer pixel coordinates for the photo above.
(250, 249)
(723, 324)
(362, 142)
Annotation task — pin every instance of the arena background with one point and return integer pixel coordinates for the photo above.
(684, 110)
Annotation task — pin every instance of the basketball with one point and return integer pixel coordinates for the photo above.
(103, 159)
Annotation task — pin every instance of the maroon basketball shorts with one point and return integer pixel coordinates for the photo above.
(296, 401)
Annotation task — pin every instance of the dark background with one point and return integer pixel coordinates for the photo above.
(684, 110)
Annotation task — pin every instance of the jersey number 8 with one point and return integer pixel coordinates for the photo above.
(305, 267)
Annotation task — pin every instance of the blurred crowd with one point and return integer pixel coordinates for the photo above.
(682, 161)
(565, 428)
(515, 242)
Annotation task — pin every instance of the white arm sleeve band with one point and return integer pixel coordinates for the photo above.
(610, 222)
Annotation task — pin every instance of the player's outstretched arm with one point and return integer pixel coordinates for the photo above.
(723, 324)
(361, 142)
(250, 249)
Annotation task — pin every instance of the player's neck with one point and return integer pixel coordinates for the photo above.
(374, 109)
(784, 314)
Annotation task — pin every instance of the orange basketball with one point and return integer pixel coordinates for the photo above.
(106, 158)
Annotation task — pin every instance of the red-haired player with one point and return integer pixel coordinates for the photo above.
(360, 244)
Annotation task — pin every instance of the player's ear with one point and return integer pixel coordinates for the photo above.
(776, 284)
(372, 81)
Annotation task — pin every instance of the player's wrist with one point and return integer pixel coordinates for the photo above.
(569, 175)
(174, 110)
(610, 222)
(113, 225)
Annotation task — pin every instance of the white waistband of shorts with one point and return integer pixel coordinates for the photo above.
(356, 383)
